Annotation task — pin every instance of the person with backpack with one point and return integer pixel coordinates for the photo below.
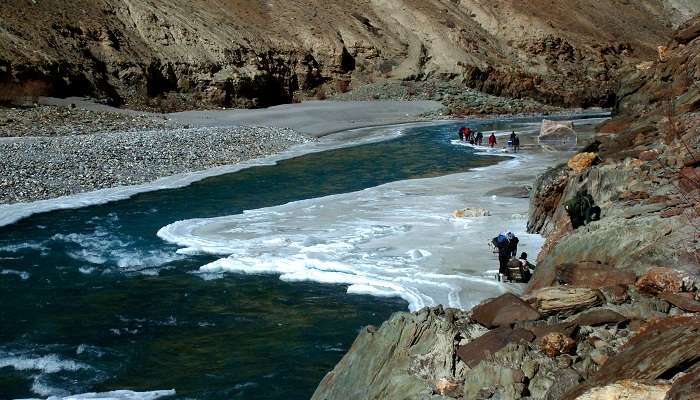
(582, 209)
(479, 138)
(516, 143)
(512, 244)
(492, 140)
(527, 267)
(505, 250)
(462, 130)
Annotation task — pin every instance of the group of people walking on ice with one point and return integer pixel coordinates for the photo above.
(476, 138)
(471, 136)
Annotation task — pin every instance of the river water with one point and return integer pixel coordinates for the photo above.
(258, 302)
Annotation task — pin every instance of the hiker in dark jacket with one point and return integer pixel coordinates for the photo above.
(512, 244)
(582, 209)
(479, 138)
(501, 243)
(516, 143)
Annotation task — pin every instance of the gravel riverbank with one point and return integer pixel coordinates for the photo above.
(37, 168)
(43, 120)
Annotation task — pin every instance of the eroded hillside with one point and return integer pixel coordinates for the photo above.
(258, 53)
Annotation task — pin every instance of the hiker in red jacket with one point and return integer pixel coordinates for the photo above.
(492, 140)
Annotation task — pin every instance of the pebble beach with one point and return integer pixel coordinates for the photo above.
(37, 168)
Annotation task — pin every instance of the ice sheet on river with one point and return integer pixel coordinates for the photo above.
(398, 239)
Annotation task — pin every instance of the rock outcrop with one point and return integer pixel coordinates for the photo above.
(557, 132)
(182, 53)
(612, 311)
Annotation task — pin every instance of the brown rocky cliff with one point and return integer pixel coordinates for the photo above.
(257, 53)
(647, 184)
(614, 308)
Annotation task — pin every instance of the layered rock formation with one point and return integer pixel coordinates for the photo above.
(613, 308)
(182, 53)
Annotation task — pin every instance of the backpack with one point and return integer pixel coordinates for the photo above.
(501, 240)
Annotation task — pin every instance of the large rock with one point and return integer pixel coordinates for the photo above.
(661, 350)
(593, 275)
(686, 386)
(686, 303)
(564, 380)
(660, 279)
(471, 212)
(627, 389)
(581, 161)
(555, 344)
(689, 31)
(615, 294)
(487, 378)
(563, 300)
(503, 311)
(485, 346)
(557, 131)
(541, 329)
(600, 316)
(405, 356)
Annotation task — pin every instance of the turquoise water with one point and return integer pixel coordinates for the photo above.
(92, 300)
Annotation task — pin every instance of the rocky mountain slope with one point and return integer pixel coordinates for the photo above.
(613, 311)
(180, 53)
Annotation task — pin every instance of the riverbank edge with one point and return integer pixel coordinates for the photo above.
(12, 213)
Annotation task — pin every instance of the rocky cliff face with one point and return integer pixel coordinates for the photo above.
(647, 182)
(181, 53)
(613, 310)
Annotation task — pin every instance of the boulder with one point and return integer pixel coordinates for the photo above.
(689, 31)
(503, 311)
(557, 131)
(555, 344)
(600, 316)
(488, 344)
(686, 386)
(405, 355)
(649, 155)
(661, 349)
(660, 279)
(616, 294)
(564, 380)
(627, 389)
(686, 303)
(449, 387)
(599, 357)
(581, 161)
(486, 380)
(470, 212)
(593, 275)
(542, 329)
(563, 300)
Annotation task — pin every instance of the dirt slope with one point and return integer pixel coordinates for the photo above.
(257, 53)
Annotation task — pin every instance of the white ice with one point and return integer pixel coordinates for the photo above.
(117, 395)
(397, 239)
